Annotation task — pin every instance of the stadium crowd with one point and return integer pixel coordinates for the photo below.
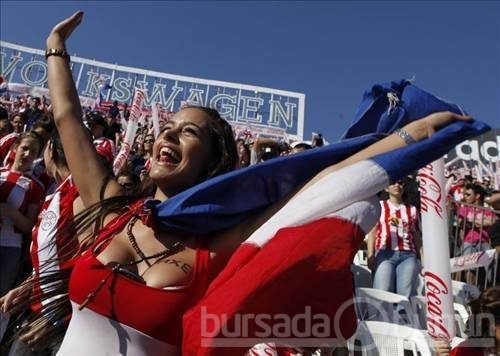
(40, 207)
(474, 220)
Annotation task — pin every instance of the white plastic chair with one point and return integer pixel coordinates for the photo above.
(376, 304)
(360, 258)
(362, 276)
(378, 338)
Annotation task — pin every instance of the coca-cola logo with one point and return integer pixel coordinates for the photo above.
(435, 292)
(430, 191)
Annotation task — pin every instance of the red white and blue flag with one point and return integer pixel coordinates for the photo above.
(297, 264)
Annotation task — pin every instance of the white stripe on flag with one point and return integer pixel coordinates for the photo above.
(332, 193)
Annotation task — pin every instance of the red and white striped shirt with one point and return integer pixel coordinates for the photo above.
(396, 227)
(19, 191)
(7, 153)
(56, 213)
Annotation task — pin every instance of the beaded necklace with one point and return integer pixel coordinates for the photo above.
(121, 268)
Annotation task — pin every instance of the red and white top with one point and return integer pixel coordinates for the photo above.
(19, 191)
(127, 316)
(396, 227)
(49, 234)
(7, 154)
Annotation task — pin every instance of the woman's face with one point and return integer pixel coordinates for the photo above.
(396, 189)
(181, 153)
(127, 183)
(17, 124)
(148, 143)
(26, 152)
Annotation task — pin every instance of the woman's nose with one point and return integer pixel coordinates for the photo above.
(171, 134)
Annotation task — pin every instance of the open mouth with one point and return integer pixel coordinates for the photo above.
(167, 155)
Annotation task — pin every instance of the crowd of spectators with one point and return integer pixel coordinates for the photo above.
(467, 196)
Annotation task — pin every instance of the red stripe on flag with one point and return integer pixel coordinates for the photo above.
(304, 266)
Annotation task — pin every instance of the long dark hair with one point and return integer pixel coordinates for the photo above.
(224, 151)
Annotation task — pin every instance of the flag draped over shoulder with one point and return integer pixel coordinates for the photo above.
(297, 263)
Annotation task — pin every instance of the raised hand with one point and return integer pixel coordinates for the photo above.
(439, 119)
(63, 30)
(427, 126)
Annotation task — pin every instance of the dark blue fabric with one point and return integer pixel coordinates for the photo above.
(226, 200)
(374, 114)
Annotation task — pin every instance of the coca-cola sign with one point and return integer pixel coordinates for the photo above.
(436, 291)
(430, 191)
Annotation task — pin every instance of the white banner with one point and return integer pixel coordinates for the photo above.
(135, 114)
(472, 261)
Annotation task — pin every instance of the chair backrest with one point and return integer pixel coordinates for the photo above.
(376, 304)
(419, 306)
(360, 258)
(362, 276)
(374, 338)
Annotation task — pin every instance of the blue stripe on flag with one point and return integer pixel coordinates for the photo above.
(401, 162)
(226, 200)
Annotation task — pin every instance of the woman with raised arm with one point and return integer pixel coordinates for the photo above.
(132, 288)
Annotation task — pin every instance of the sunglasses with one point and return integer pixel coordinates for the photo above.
(149, 141)
(127, 185)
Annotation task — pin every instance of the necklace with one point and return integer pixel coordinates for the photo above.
(121, 268)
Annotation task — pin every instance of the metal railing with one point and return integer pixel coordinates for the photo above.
(469, 233)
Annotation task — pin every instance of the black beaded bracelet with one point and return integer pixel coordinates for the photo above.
(56, 52)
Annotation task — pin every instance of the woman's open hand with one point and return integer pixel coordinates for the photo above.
(63, 30)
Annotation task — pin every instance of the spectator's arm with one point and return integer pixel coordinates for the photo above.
(493, 200)
(371, 247)
(80, 151)
(23, 223)
(417, 239)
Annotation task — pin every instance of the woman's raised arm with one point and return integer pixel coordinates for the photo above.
(84, 163)
(417, 131)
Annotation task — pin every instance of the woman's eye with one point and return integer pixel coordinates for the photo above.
(190, 130)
